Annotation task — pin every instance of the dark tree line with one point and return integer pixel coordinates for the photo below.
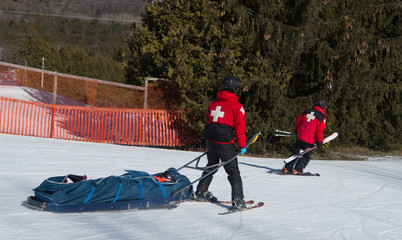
(287, 53)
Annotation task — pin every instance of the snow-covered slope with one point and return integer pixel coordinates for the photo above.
(35, 95)
(351, 200)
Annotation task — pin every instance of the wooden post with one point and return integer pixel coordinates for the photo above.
(146, 93)
(147, 79)
(55, 88)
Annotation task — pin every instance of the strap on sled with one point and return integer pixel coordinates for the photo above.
(141, 187)
(118, 191)
(90, 194)
(161, 187)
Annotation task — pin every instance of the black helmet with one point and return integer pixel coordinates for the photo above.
(231, 83)
(321, 103)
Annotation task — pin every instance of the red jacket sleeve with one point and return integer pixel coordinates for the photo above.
(240, 125)
(297, 123)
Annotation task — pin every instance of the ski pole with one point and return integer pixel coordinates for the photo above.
(255, 137)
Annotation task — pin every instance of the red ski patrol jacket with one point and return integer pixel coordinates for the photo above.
(228, 111)
(310, 125)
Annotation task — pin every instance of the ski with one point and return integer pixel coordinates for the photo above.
(303, 174)
(330, 138)
(223, 204)
(280, 133)
(260, 204)
(219, 202)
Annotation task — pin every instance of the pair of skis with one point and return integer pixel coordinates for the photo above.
(296, 156)
(289, 173)
(227, 204)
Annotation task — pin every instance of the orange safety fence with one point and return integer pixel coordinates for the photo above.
(145, 127)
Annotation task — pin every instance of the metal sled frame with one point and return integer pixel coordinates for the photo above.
(209, 168)
(187, 165)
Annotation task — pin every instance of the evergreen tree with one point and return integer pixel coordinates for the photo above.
(33, 48)
(365, 97)
(287, 54)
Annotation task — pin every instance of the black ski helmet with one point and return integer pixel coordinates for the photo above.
(321, 103)
(231, 83)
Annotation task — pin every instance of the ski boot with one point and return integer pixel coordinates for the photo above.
(204, 196)
(237, 203)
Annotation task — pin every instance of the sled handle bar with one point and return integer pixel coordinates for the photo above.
(195, 159)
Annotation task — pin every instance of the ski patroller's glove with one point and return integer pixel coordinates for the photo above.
(243, 150)
(319, 145)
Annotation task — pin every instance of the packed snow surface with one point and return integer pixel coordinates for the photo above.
(350, 200)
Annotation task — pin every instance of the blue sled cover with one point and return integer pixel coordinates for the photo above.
(132, 190)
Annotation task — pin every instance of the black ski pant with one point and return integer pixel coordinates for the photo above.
(301, 163)
(217, 152)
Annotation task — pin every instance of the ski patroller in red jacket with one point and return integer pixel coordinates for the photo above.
(228, 111)
(310, 125)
